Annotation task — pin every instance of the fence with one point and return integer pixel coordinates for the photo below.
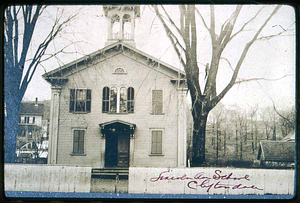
(226, 181)
(46, 178)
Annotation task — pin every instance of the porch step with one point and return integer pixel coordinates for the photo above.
(110, 171)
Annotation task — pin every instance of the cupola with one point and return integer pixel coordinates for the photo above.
(121, 23)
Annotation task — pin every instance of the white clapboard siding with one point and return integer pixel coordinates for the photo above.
(46, 178)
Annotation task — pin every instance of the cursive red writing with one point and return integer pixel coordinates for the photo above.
(203, 181)
(161, 177)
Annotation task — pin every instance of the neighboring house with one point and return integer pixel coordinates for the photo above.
(276, 153)
(32, 130)
(118, 107)
(290, 137)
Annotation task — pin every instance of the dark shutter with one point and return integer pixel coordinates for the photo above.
(88, 100)
(72, 100)
(105, 100)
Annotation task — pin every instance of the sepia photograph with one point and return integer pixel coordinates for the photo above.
(168, 101)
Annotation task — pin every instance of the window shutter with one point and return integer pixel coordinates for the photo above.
(156, 147)
(72, 100)
(105, 100)
(130, 100)
(78, 142)
(157, 101)
(88, 100)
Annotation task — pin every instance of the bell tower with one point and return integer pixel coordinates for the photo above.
(121, 23)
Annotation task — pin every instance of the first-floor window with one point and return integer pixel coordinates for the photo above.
(78, 141)
(156, 143)
(80, 100)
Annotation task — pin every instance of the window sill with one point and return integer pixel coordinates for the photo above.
(74, 154)
(80, 112)
(157, 113)
(118, 113)
(156, 155)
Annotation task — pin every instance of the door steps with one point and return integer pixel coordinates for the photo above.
(110, 171)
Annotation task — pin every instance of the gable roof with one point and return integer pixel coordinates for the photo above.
(276, 151)
(289, 137)
(119, 47)
(31, 109)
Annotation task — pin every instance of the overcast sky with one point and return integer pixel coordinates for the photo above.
(270, 59)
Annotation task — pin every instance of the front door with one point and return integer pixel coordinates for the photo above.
(117, 146)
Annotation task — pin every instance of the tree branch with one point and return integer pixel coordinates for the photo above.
(249, 21)
(216, 99)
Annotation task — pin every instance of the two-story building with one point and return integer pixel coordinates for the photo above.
(32, 129)
(118, 106)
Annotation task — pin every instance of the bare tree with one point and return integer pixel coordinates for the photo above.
(183, 36)
(252, 113)
(19, 26)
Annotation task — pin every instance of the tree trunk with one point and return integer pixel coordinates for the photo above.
(199, 140)
(11, 129)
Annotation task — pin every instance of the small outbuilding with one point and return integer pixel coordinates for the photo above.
(276, 153)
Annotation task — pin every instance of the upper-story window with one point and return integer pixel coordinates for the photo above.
(80, 100)
(157, 102)
(26, 120)
(116, 100)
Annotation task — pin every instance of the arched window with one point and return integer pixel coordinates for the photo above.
(130, 100)
(115, 24)
(105, 100)
(119, 70)
(113, 99)
(123, 100)
(126, 26)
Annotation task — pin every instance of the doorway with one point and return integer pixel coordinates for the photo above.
(117, 146)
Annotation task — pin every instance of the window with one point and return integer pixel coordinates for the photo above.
(78, 141)
(113, 99)
(156, 143)
(118, 101)
(80, 100)
(157, 101)
(26, 119)
(126, 27)
(123, 100)
(130, 100)
(29, 136)
(115, 24)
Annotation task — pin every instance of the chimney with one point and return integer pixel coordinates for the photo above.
(36, 102)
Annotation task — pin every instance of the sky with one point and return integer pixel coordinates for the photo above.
(270, 59)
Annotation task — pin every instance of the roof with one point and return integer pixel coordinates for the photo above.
(31, 109)
(117, 47)
(289, 137)
(276, 151)
(103, 125)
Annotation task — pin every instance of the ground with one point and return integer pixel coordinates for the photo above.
(105, 185)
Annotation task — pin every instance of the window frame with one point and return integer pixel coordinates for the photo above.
(73, 142)
(162, 130)
(74, 100)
